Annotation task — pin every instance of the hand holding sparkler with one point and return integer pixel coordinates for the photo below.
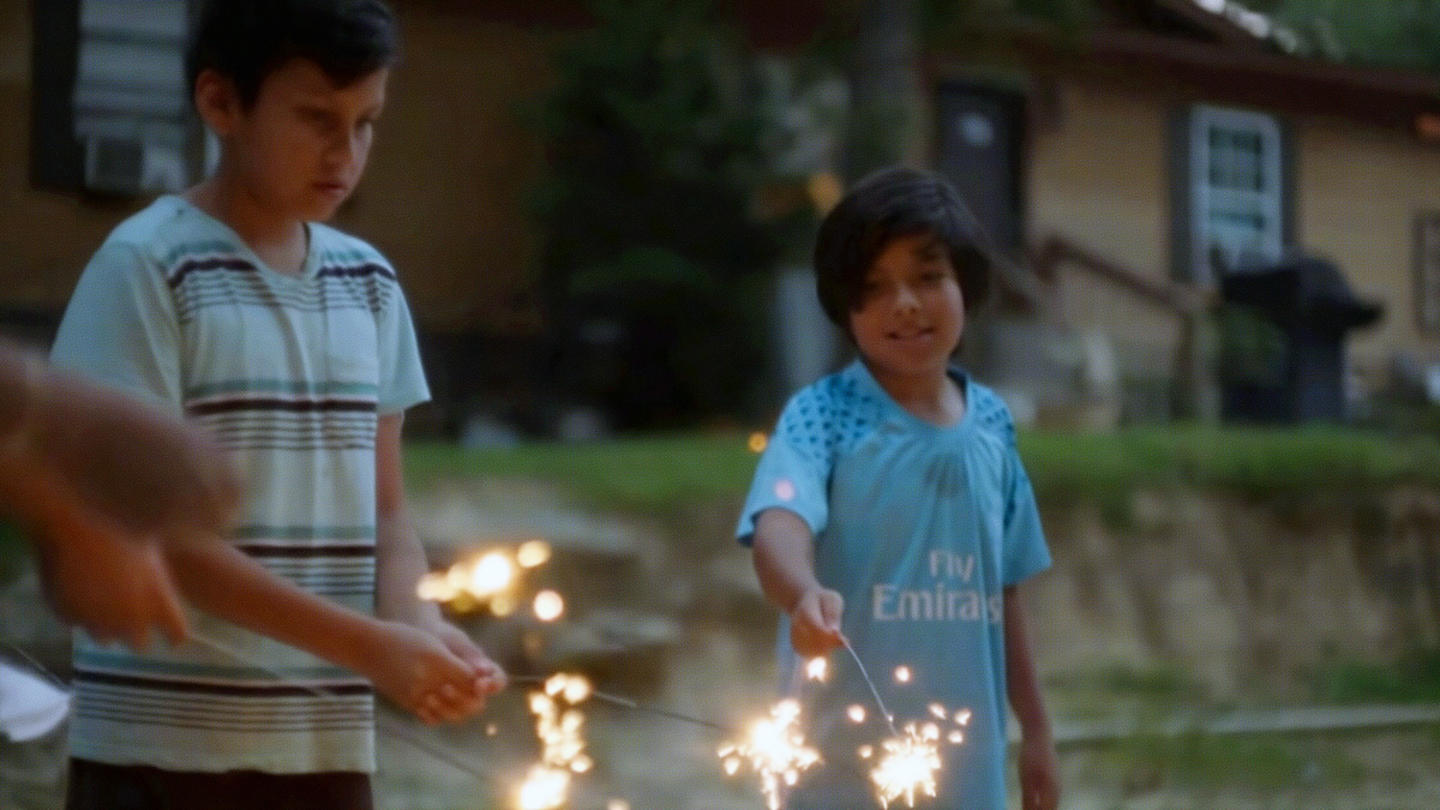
(815, 622)
(419, 671)
(489, 677)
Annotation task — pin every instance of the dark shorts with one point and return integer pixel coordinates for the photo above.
(98, 786)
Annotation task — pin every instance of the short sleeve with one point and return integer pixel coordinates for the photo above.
(120, 328)
(793, 473)
(1025, 552)
(402, 377)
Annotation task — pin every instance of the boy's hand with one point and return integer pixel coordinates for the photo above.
(815, 622)
(1039, 774)
(489, 677)
(114, 586)
(417, 670)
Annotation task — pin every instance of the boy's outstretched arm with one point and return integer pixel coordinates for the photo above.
(400, 564)
(785, 564)
(1039, 766)
(404, 663)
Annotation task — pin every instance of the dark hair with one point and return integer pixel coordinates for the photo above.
(247, 40)
(885, 205)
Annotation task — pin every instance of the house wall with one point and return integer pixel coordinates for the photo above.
(1099, 174)
(444, 196)
(45, 237)
(1359, 192)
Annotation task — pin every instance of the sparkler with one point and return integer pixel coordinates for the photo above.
(910, 760)
(486, 579)
(884, 712)
(549, 606)
(560, 726)
(776, 750)
(908, 766)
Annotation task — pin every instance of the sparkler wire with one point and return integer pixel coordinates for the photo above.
(886, 712)
(627, 703)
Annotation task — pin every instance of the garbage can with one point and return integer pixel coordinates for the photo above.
(1301, 308)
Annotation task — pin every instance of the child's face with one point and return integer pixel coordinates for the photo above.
(911, 310)
(301, 148)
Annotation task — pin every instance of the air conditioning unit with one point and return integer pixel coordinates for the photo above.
(130, 166)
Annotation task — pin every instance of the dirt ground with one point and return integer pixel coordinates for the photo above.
(665, 610)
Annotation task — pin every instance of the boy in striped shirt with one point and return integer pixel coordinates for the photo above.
(292, 343)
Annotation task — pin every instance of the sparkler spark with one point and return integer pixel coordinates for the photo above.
(911, 759)
(907, 768)
(776, 750)
(903, 674)
(560, 727)
(549, 606)
(817, 669)
(856, 713)
(532, 553)
(489, 579)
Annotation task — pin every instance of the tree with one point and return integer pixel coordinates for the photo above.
(1395, 33)
(651, 253)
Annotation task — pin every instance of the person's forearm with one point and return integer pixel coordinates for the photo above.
(400, 564)
(784, 557)
(1022, 682)
(221, 580)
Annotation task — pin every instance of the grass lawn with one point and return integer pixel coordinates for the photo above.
(657, 472)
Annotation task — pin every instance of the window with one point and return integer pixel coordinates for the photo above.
(1427, 272)
(112, 113)
(1236, 205)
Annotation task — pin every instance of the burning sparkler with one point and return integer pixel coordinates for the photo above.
(549, 606)
(911, 759)
(489, 579)
(560, 727)
(908, 766)
(776, 750)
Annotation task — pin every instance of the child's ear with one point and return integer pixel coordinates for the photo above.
(217, 102)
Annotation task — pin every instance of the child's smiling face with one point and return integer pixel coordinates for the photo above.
(911, 311)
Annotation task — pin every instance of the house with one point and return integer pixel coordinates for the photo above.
(1133, 161)
(1123, 165)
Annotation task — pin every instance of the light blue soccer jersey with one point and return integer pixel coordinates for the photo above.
(919, 528)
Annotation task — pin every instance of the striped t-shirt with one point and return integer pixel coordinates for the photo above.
(289, 374)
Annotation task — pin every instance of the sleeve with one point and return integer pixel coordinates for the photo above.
(1025, 551)
(793, 473)
(402, 377)
(120, 328)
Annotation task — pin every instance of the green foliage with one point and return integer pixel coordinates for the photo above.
(1261, 763)
(1254, 462)
(650, 474)
(1398, 33)
(660, 472)
(654, 148)
(1252, 347)
(13, 552)
(1414, 678)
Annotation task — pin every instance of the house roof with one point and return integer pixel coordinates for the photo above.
(1180, 48)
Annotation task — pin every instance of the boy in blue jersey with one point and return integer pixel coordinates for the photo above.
(891, 508)
(291, 343)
